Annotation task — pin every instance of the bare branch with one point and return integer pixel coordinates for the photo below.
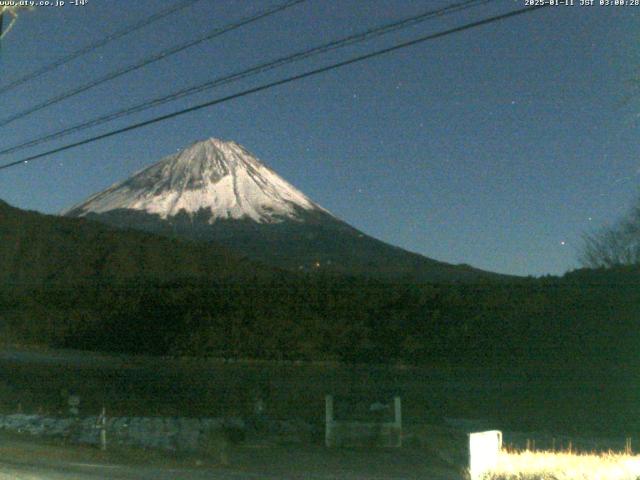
(13, 13)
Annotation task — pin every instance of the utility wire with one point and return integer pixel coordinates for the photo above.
(284, 81)
(99, 43)
(258, 69)
(151, 59)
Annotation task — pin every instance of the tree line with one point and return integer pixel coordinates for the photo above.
(588, 317)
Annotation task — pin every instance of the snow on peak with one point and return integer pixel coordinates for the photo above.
(215, 175)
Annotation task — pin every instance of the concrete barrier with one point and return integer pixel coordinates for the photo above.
(484, 449)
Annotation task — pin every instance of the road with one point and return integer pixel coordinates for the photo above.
(89, 471)
(25, 459)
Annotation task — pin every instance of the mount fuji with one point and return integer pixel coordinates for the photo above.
(218, 191)
(219, 178)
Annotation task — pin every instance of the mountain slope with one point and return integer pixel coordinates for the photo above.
(217, 191)
(38, 249)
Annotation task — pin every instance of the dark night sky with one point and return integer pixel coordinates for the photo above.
(498, 147)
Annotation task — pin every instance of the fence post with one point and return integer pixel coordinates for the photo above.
(328, 419)
(102, 425)
(397, 404)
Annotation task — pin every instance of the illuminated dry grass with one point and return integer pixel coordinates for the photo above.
(566, 466)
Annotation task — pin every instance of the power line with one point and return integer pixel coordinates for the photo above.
(284, 81)
(261, 68)
(149, 60)
(99, 43)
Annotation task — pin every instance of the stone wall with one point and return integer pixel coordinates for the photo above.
(184, 434)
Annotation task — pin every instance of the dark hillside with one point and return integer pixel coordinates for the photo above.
(76, 284)
(38, 249)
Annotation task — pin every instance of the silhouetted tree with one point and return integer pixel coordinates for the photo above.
(615, 246)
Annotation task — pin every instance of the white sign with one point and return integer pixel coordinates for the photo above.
(484, 448)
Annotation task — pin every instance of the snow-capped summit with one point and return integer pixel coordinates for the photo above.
(215, 175)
